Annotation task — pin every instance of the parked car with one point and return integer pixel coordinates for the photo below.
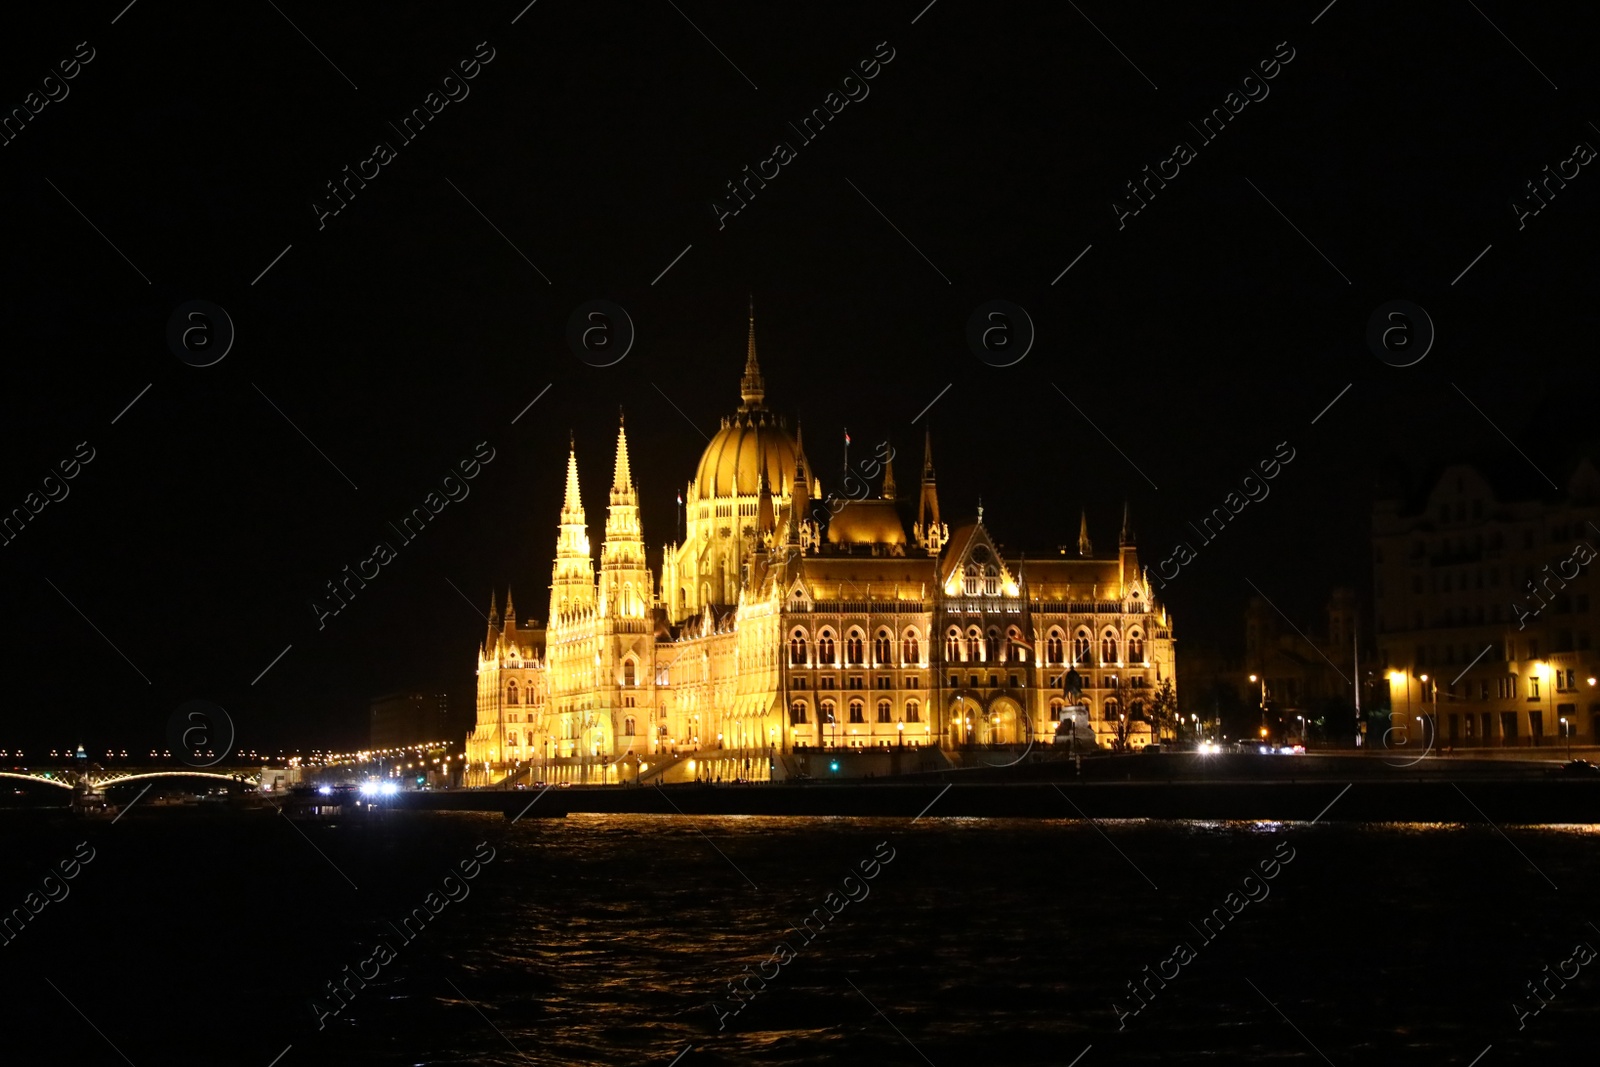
(1581, 768)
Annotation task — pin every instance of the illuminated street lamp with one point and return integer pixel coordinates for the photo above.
(1567, 733)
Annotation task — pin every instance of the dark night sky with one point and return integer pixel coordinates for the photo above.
(407, 330)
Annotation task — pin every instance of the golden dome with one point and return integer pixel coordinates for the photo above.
(732, 461)
(867, 522)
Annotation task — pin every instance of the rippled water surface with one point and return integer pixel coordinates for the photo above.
(613, 940)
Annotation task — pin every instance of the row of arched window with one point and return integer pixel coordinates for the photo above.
(855, 648)
(827, 712)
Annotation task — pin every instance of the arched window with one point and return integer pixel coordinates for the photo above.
(974, 645)
(1057, 706)
(629, 675)
(797, 713)
(883, 649)
(854, 648)
(913, 711)
(856, 710)
(1136, 710)
(511, 739)
(952, 645)
(883, 711)
(797, 648)
(627, 726)
(1135, 647)
(1113, 710)
(991, 646)
(511, 692)
(827, 711)
(911, 648)
(1052, 648)
(1014, 645)
(970, 579)
(825, 647)
(627, 599)
(1108, 647)
(991, 580)
(1080, 648)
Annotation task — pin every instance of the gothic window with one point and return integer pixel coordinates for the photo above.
(883, 711)
(913, 711)
(969, 580)
(1108, 647)
(991, 580)
(991, 646)
(627, 726)
(629, 677)
(797, 713)
(1057, 709)
(1135, 647)
(1112, 711)
(974, 645)
(825, 647)
(856, 710)
(1080, 648)
(883, 648)
(854, 648)
(511, 693)
(511, 739)
(911, 648)
(797, 648)
(1015, 646)
(1052, 648)
(827, 711)
(952, 645)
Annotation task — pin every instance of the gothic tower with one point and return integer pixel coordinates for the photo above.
(572, 578)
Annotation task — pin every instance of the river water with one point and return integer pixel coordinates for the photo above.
(613, 940)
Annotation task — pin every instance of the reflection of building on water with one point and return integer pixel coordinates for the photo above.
(786, 622)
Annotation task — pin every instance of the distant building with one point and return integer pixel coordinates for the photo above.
(1297, 676)
(1484, 606)
(401, 719)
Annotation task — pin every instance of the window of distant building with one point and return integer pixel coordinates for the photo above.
(883, 649)
(797, 713)
(854, 648)
(825, 647)
(974, 645)
(970, 579)
(1080, 648)
(1053, 649)
(883, 711)
(1014, 645)
(912, 711)
(911, 648)
(991, 646)
(991, 580)
(1108, 647)
(627, 726)
(1135, 647)
(797, 648)
(827, 711)
(511, 739)
(856, 712)
(629, 673)
(952, 645)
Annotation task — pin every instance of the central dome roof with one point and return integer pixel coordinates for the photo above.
(731, 464)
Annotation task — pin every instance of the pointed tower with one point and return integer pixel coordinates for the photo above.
(752, 390)
(572, 578)
(1128, 556)
(928, 531)
(511, 611)
(624, 582)
(799, 491)
(493, 637)
(888, 477)
(1085, 546)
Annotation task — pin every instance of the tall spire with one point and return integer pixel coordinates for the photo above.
(511, 610)
(888, 477)
(927, 454)
(929, 531)
(622, 479)
(1085, 546)
(572, 506)
(1127, 525)
(752, 390)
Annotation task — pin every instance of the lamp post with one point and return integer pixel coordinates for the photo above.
(1263, 682)
(1567, 733)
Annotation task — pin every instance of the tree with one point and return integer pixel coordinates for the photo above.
(1164, 712)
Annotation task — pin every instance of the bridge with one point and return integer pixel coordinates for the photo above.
(96, 780)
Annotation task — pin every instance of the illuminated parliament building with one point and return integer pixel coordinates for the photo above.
(794, 633)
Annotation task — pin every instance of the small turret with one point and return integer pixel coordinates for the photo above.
(1085, 546)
